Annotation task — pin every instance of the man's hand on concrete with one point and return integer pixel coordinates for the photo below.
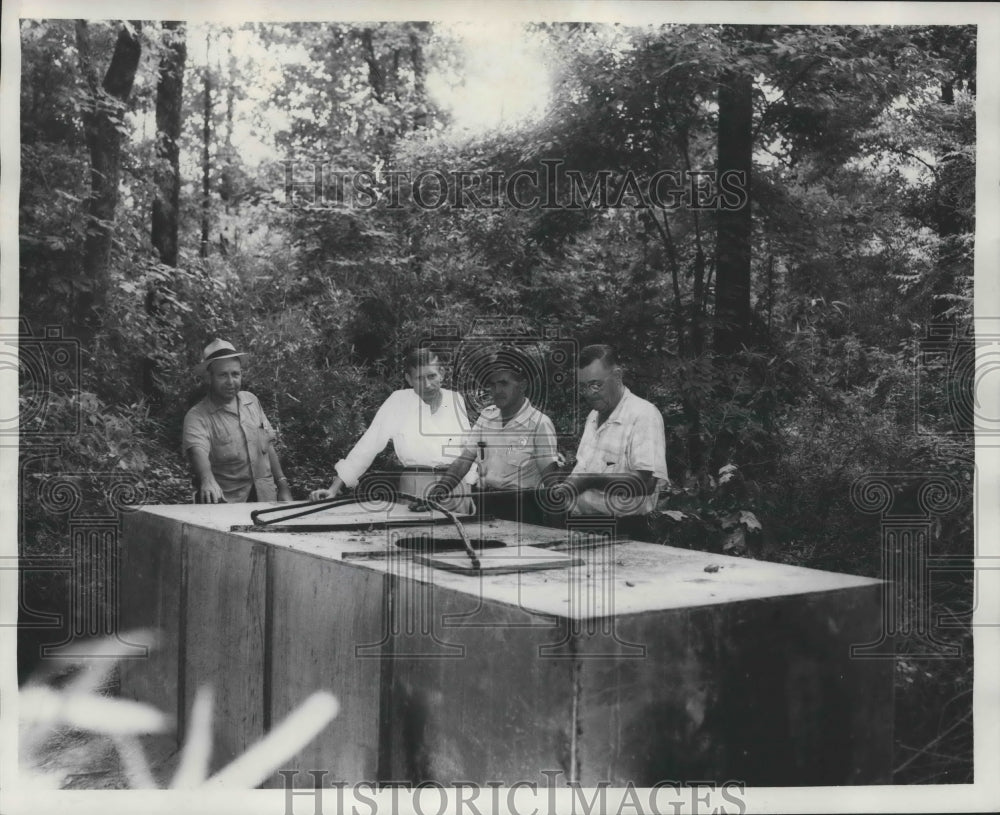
(210, 492)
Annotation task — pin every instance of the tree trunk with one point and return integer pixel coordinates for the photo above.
(101, 124)
(376, 76)
(420, 113)
(227, 184)
(168, 129)
(206, 164)
(166, 177)
(948, 223)
(732, 277)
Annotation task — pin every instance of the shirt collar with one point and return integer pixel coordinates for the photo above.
(445, 399)
(243, 397)
(524, 415)
(616, 414)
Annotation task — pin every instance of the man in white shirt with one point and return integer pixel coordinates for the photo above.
(621, 460)
(426, 424)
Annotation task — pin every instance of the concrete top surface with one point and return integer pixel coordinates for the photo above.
(627, 577)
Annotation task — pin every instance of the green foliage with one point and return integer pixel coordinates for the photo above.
(712, 513)
(863, 212)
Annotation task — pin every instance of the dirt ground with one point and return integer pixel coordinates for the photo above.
(77, 759)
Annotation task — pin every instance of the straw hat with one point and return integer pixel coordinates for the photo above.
(217, 349)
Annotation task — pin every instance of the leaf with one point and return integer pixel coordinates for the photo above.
(89, 402)
(674, 514)
(730, 521)
(286, 739)
(735, 543)
(89, 711)
(749, 520)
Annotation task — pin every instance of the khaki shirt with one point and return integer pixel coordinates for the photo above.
(517, 453)
(237, 445)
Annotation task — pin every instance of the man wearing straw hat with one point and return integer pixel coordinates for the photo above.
(228, 439)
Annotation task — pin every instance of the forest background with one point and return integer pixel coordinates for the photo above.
(812, 338)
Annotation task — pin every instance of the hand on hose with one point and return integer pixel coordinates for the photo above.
(438, 492)
(326, 495)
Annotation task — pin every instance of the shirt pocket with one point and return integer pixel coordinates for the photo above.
(263, 438)
(226, 450)
(519, 452)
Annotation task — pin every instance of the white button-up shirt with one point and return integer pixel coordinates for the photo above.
(631, 439)
(516, 453)
(420, 437)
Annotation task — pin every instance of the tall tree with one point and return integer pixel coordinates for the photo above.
(167, 182)
(103, 124)
(956, 166)
(735, 133)
(168, 129)
(206, 141)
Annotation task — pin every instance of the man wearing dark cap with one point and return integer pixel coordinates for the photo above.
(513, 442)
(228, 439)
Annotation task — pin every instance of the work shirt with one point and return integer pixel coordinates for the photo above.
(236, 438)
(631, 439)
(420, 437)
(515, 454)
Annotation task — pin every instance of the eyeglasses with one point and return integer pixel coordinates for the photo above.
(594, 385)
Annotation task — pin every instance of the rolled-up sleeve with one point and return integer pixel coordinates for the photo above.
(647, 448)
(472, 476)
(197, 433)
(372, 442)
(546, 450)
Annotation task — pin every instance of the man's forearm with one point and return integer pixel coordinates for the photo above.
(276, 473)
(458, 468)
(600, 481)
(200, 463)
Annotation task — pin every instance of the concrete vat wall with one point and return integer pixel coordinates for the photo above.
(638, 665)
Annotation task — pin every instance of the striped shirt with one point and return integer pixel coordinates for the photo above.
(515, 454)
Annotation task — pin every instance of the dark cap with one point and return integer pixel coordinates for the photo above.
(509, 359)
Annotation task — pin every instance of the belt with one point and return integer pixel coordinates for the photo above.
(439, 469)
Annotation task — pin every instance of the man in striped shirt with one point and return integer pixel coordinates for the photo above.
(513, 441)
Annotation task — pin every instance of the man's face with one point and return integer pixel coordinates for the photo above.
(425, 380)
(224, 377)
(507, 390)
(600, 386)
